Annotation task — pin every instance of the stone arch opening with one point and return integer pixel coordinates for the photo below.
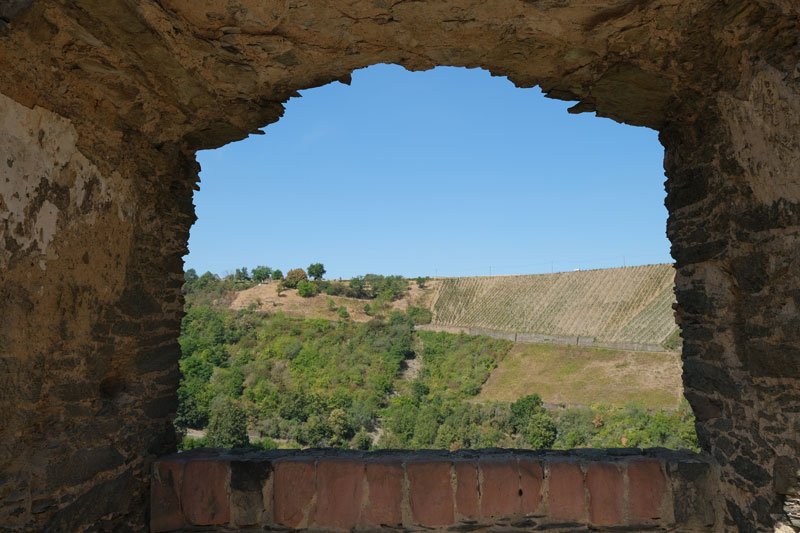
(114, 98)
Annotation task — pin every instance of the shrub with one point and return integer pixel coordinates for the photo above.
(343, 314)
(391, 287)
(293, 277)
(374, 285)
(674, 342)
(190, 443)
(540, 430)
(361, 440)
(421, 281)
(277, 274)
(306, 288)
(357, 288)
(333, 288)
(419, 315)
(265, 444)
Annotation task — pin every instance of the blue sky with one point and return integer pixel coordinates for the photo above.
(447, 172)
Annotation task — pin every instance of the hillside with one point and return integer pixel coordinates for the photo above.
(265, 298)
(626, 308)
(351, 367)
(618, 305)
(271, 380)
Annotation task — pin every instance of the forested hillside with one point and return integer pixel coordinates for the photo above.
(267, 379)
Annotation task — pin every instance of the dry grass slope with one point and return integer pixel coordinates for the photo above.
(632, 304)
(577, 375)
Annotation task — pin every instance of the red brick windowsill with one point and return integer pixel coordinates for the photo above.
(337, 490)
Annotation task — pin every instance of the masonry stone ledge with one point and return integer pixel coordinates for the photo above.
(483, 490)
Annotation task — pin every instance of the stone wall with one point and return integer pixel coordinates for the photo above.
(735, 230)
(106, 101)
(90, 272)
(466, 491)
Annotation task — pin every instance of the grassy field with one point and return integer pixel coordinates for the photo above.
(576, 375)
(631, 304)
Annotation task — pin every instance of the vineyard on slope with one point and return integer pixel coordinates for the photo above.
(632, 304)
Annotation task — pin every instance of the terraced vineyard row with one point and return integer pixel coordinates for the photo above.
(631, 304)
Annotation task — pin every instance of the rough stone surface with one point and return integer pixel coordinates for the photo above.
(104, 102)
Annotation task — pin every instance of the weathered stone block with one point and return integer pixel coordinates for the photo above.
(647, 491)
(293, 492)
(430, 492)
(467, 490)
(204, 493)
(385, 489)
(566, 496)
(247, 485)
(165, 493)
(531, 479)
(606, 494)
(500, 490)
(340, 490)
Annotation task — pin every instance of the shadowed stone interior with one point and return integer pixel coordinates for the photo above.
(103, 104)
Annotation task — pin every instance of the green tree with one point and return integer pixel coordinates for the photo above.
(293, 277)
(227, 427)
(190, 278)
(277, 274)
(523, 409)
(316, 270)
(340, 427)
(316, 432)
(261, 273)
(241, 274)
